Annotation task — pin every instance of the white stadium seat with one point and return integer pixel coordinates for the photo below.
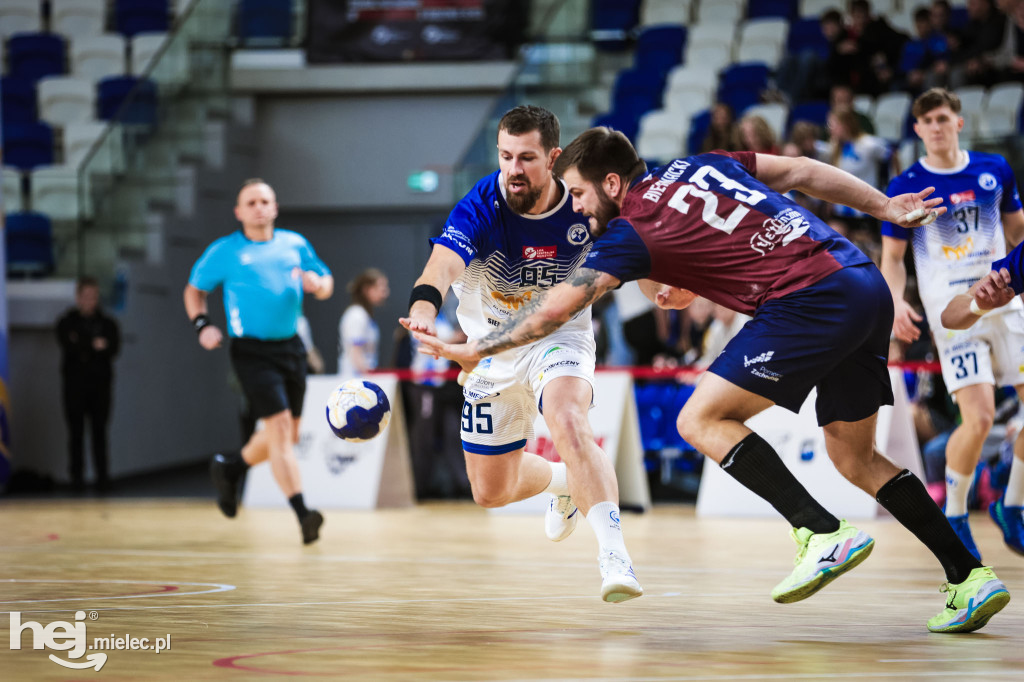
(12, 190)
(891, 111)
(1001, 114)
(774, 114)
(97, 57)
(20, 16)
(54, 191)
(66, 99)
(78, 18)
(662, 135)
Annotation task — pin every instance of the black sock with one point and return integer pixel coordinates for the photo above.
(906, 498)
(298, 505)
(235, 464)
(755, 464)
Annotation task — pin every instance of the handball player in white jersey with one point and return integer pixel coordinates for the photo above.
(513, 236)
(951, 255)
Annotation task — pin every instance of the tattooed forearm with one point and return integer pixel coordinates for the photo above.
(541, 316)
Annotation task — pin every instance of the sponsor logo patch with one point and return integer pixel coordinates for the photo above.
(962, 197)
(535, 252)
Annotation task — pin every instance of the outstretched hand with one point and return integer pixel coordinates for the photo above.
(913, 209)
(993, 290)
(463, 353)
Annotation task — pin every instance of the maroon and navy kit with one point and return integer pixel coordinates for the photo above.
(822, 313)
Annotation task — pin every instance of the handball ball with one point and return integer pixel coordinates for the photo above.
(358, 410)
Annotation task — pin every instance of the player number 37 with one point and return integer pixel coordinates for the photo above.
(966, 363)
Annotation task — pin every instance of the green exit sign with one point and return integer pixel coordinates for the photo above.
(423, 181)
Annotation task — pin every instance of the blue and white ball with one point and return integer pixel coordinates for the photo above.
(358, 410)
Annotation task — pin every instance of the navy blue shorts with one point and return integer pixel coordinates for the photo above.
(832, 335)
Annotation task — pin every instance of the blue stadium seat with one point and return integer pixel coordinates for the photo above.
(262, 19)
(637, 92)
(749, 76)
(611, 22)
(699, 125)
(27, 145)
(141, 16)
(139, 93)
(670, 434)
(28, 238)
(659, 48)
(815, 112)
(759, 9)
(804, 35)
(740, 98)
(32, 56)
(17, 100)
(625, 124)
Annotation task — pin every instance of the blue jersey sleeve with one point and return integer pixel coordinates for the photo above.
(892, 229)
(1011, 197)
(620, 252)
(1014, 263)
(465, 231)
(209, 271)
(310, 261)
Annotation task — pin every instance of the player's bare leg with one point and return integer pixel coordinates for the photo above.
(281, 431)
(592, 483)
(713, 421)
(498, 480)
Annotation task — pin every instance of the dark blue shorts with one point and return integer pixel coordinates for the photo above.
(832, 335)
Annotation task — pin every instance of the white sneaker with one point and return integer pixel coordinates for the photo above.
(620, 581)
(560, 518)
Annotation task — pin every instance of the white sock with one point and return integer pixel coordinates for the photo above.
(559, 484)
(604, 519)
(957, 487)
(1015, 486)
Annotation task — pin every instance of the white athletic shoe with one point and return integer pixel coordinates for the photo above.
(560, 518)
(619, 580)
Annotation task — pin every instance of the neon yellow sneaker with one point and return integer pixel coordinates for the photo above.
(971, 603)
(822, 557)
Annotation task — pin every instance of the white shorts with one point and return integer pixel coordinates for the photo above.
(990, 352)
(504, 392)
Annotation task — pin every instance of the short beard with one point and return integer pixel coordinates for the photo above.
(522, 203)
(607, 210)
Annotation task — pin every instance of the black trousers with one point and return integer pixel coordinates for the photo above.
(87, 400)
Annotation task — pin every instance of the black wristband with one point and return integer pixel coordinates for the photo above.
(200, 321)
(426, 292)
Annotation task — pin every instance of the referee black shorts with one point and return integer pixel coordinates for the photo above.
(272, 374)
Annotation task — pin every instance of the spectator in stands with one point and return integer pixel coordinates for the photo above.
(921, 54)
(89, 340)
(358, 334)
(974, 63)
(753, 134)
(878, 47)
(721, 131)
(1012, 66)
(864, 156)
(841, 65)
(841, 98)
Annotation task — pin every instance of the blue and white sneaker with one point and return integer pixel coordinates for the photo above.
(1011, 521)
(560, 518)
(619, 582)
(963, 531)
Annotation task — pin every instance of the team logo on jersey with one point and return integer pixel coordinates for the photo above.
(578, 234)
(534, 252)
(958, 252)
(512, 301)
(962, 197)
(987, 181)
(779, 231)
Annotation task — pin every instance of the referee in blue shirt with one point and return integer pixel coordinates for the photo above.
(264, 272)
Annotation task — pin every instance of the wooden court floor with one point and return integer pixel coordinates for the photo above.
(452, 592)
